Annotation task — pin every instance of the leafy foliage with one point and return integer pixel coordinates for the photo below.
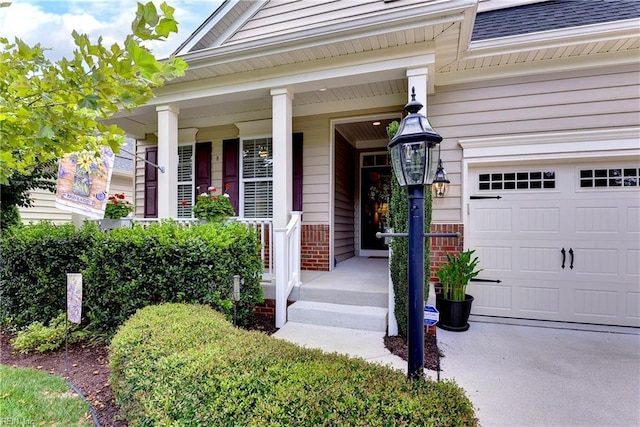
(39, 338)
(456, 274)
(179, 364)
(126, 269)
(130, 268)
(16, 192)
(50, 108)
(33, 278)
(398, 264)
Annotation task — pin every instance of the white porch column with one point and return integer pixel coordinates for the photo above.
(417, 78)
(282, 156)
(168, 157)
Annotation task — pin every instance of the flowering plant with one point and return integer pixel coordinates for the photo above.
(117, 207)
(212, 207)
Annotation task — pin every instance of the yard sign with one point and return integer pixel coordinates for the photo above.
(74, 297)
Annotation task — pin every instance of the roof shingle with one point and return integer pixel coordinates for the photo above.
(551, 15)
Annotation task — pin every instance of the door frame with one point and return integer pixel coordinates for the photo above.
(359, 194)
(332, 166)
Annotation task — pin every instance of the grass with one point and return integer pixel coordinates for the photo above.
(31, 397)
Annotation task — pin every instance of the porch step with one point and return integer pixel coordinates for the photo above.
(342, 296)
(338, 315)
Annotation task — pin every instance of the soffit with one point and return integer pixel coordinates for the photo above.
(611, 43)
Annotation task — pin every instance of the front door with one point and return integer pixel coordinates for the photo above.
(375, 193)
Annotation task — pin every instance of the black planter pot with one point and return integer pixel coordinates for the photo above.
(454, 315)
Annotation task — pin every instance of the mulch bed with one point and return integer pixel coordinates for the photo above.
(88, 367)
(432, 354)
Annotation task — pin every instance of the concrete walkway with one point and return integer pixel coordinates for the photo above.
(518, 375)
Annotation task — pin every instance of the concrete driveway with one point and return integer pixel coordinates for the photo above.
(536, 375)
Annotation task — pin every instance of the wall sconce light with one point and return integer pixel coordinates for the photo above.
(440, 181)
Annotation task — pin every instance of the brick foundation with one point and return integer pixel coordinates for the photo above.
(266, 309)
(441, 246)
(315, 247)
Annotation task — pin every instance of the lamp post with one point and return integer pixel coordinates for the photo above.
(415, 151)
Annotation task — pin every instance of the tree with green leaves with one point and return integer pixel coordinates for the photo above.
(48, 109)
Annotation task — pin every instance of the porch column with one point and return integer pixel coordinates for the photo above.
(168, 158)
(282, 156)
(417, 77)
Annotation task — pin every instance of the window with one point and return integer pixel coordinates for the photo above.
(185, 181)
(517, 181)
(257, 178)
(614, 177)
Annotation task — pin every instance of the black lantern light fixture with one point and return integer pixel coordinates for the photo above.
(415, 148)
(440, 182)
(415, 152)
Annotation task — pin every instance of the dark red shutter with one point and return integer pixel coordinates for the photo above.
(151, 183)
(297, 171)
(231, 172)
(203, 168)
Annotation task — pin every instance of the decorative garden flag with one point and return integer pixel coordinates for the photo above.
(74, 297)
(83, 182)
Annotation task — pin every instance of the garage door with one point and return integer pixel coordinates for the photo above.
(563, 239)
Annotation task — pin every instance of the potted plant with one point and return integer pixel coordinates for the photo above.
(453, 303)
(213, 208)
(116, 212)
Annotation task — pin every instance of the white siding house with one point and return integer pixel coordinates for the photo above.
(537, 102)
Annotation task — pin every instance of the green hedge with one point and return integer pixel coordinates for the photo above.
(178, 364)
(126, 269)
(35, 260)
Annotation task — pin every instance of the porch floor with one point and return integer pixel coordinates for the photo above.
(356, 281)
(354, 274)
(360, 274)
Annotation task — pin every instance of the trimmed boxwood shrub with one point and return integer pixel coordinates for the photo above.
(179, 364)
(126, 269)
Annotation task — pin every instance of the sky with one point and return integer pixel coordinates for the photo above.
(50, 22)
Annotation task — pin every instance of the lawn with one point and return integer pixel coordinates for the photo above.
(31, 397)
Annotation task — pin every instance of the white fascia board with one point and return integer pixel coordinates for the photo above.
(246, 16)
(569, 144)
(466, 29)
(540, 67)
(201, 31)
(552, 39)
(406, 19)
(365, 66)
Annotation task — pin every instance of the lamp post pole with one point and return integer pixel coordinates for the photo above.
(414, 153)
(415, 318)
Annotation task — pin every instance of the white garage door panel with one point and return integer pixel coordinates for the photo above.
(519, 239)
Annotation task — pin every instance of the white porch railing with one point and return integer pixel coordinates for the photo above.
(287, 255)
(187, 222)
(264, 226)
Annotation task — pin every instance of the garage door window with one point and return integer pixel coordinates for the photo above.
(599, 178)
(535, 180)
